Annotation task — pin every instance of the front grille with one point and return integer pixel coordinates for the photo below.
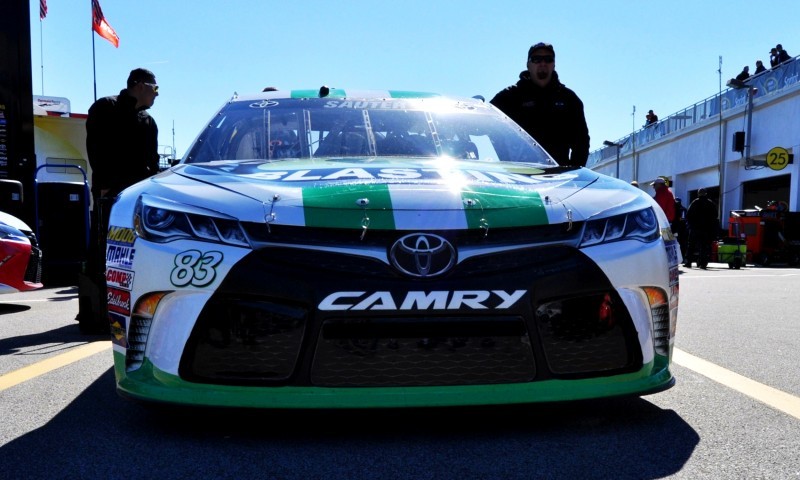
(414, 352)
(576, 340)
(263, 325)
(241, 340)
(33, 272)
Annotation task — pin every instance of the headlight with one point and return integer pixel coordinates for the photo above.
(161, 221)
(641, 225)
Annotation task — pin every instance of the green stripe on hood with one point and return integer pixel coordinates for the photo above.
(340, 207)
(499, 207)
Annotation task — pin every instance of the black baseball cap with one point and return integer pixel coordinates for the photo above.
(541, 46)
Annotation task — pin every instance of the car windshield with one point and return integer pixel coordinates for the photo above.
(278, 129)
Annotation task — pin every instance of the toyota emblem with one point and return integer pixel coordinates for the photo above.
(422, 255)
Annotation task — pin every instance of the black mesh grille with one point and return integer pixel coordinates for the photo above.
(414, 352)
(586, 335)
(243, 340)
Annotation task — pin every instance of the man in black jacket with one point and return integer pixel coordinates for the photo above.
(122, 144)
(549, 111)
(703, 222)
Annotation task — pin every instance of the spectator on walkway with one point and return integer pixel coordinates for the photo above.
(703, 223)
(664, 198)
(773, 58)
(783, 55)
(650, 119)
(744, 74)
(759, 67)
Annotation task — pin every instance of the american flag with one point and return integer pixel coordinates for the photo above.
(42, 9)
(101, 26)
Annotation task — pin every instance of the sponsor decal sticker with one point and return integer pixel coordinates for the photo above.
(118, 334)
(119, 248)
(119, 301)
(519, 177)
(119, 278)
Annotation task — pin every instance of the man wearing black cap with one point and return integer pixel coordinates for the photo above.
(549, 111)
(122, 145)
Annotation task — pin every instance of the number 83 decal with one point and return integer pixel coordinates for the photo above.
(195, 268)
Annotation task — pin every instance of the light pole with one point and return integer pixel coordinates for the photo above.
(609, 143)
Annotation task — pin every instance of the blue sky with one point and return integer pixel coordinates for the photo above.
(614, 54)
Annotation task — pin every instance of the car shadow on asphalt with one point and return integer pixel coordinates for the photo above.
(102, 435)
(62, 338)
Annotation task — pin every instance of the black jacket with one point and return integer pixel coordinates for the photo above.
(122, 143)
(702, 216)
(552, 115)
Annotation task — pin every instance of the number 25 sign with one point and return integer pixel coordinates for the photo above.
(778, 158)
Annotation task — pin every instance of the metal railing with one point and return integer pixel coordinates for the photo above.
(766, 83)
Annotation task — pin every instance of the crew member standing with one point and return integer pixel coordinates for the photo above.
(122, 145)
(545, 108)
(665, 198)
(703, 222)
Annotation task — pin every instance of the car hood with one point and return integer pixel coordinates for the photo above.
(14, 222)
(397, 194)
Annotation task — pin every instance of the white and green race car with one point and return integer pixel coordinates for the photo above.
(349, 249)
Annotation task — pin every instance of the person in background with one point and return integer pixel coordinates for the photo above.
(759, 67)
(635, 184)
(744, 74)
(122, 146)
(679, 226)
(703, 223)
(545, 108)
(650, 119)
(664, 198)
(783, 55)
(773, 58)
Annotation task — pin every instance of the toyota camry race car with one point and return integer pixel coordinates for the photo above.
(20, 256)
(347, 249)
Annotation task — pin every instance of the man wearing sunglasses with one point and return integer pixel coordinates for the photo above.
(122, 145)
(549, 111)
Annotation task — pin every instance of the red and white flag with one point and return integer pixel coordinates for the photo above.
(101, 26)
(42, 9)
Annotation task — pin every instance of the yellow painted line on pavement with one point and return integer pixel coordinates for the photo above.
(40, 368)
(773, 397)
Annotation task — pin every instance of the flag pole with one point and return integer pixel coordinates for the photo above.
(41, 51)
(94, 68)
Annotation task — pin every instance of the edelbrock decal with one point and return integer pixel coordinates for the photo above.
(420, 300)
(119, 301)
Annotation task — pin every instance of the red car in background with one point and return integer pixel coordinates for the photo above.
(20, 256)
